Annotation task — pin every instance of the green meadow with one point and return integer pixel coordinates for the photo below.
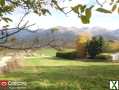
(44, 71)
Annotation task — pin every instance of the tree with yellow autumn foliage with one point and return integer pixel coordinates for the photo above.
(81, 42)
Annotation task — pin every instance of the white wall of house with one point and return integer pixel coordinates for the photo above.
(115, 56)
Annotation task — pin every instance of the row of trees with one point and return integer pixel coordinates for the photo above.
(89, 47)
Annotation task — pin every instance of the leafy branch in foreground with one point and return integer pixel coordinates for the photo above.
(43, 7)
(4, 32)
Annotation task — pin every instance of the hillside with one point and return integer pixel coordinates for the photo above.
(63, 37)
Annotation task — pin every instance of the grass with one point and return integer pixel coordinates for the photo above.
(50, 73)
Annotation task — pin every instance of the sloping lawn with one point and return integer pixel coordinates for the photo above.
(45, 72)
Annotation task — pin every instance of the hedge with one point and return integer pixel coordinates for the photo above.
(66, 55)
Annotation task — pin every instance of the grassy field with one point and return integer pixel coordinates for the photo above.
(46, 72)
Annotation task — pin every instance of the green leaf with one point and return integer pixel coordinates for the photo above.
(1, 14)
(102, 10)
(76, 8)
(55, 2)
(84, 19)
(88, 13)
(82, 8)
(44, 11)
(8, 8)
(6, 26)
(7, 19)
(114, 7)
(118, 10)
(2, 2)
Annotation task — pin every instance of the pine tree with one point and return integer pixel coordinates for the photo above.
(95, 46)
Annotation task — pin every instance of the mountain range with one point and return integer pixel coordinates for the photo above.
(61, 37)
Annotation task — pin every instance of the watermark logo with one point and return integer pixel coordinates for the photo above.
(9, 84)
(114, 85)
(3, 84)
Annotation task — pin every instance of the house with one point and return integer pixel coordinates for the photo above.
(115, 56)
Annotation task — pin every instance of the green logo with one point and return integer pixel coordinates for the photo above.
(114, 85)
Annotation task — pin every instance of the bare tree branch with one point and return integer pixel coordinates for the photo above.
(18, 29)
(5, 34)
(101, 4)
(22, 19)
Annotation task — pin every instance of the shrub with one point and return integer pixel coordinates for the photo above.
(66, 55)
(104, 56)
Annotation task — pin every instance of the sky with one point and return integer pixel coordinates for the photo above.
(109, 21)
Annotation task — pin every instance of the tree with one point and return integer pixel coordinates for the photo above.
(81, 42)
(101, 43)
(95, 46)
(113, 46)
